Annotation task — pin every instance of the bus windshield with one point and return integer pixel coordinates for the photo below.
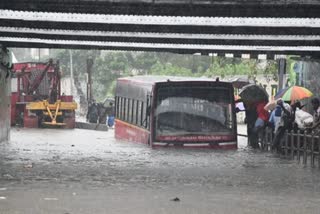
(193, 110)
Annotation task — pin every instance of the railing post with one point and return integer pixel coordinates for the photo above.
(292, 144)
(312, 150)
(271, 140)
(298, 146)
(286, 144)
(261, 140)
(304, 148)
(266, 139)
(318, 151)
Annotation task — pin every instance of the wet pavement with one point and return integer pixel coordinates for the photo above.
(83, 171)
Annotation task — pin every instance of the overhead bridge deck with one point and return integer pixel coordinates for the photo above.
(181, 26)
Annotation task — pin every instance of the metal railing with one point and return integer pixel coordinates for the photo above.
(301, 146)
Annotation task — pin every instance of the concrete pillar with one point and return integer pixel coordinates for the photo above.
(5, 93)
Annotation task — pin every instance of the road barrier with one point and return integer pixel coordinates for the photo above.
(299, 145)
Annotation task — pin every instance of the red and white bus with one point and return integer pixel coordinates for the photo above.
(176, 111)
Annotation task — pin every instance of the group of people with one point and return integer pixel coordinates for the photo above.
(283, 116)
(98, 113)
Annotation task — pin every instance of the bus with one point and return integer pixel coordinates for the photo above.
(176, 111)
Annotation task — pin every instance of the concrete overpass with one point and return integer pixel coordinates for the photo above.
(181, 26)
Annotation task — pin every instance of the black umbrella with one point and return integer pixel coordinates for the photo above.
(107, 101)
(253, 93)
(240, 82)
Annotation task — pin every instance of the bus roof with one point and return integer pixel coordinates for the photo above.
(151, 79)
(139, 86)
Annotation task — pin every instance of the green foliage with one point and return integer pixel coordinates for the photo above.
(79, 58)
(110, 65)
(290, 70)
(169, 69)
(233, 66)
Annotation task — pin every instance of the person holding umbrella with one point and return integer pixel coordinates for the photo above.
(250, 119)
(260, 123)
(284, 124)
(274, 119)
(316, 108)
(255, 98)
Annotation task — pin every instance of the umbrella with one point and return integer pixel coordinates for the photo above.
(240, 82)
(253, 93)
(293, 93)
(107, 101)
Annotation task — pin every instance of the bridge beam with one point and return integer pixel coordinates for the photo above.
(218, 8)
(159, 25)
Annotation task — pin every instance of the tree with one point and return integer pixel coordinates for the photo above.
(110, 65)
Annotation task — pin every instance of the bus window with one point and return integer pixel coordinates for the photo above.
(124, 108)
(123, 104)
(129, 111)
(137, 112)
(148, 110)
(193, 110)
(118, 105)
(133, 112)
(142, 114)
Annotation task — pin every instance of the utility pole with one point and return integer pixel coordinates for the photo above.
(89, 83)
(282, 64)
(71, 72)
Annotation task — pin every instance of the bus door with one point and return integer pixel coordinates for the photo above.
(148, 110)
(148, 115)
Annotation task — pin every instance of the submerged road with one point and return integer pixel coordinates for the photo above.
(83, 171)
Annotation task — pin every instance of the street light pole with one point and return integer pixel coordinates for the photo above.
(89, 84)
(281, 71)
(71, 72)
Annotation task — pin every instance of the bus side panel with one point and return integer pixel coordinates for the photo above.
(126, 131)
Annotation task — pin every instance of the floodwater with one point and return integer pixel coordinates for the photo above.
(84, 171)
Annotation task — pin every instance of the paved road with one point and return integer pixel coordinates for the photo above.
(82, 171)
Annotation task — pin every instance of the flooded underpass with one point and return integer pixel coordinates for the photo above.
(82, 171)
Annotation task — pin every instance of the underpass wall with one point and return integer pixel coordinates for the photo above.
(5, 91)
